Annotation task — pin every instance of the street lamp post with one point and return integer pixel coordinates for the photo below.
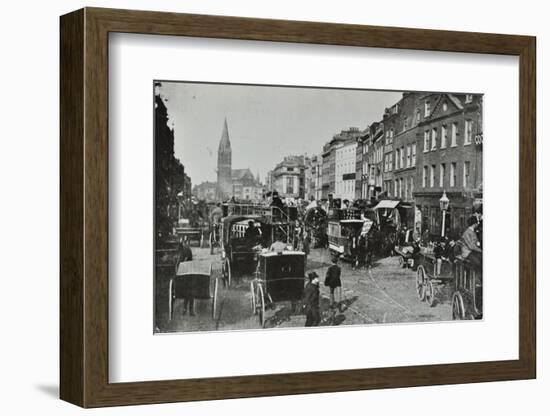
(444, 205)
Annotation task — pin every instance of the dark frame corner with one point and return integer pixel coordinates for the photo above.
(84, 207)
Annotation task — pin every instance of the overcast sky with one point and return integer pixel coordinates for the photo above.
(265, 123)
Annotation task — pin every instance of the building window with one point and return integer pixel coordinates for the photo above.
(452, 179)
(405, 123)
(400, 187)
(397, 159)
(442, 175)
(426, 141)
(417, 116)
(413, 157)
(469, 98)
(432, 176)
(406, 188)
(466, 174)
(454, 133)
(443, 136)
(424, 176)
(434, 139)
(444, 105)
(408, 155)
(402, 157)
(289, 185)
(427, 109)
(411, 187)
(468, 132)
(396, 189)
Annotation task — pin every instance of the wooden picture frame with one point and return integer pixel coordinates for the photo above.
(84, 207)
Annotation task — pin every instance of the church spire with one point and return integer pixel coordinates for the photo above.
(225, 144)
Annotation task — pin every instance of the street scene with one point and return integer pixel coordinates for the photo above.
(295, 219)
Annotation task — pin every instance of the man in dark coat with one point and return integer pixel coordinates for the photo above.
(333, 281)
(311, 300)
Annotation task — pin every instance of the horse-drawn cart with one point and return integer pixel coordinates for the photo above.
(280, 277)
(193, 281)
(431, 277)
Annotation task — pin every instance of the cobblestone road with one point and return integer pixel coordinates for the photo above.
(383, 294)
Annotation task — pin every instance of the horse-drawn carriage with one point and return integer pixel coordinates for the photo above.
(280, 277)
(188, 232)
(239, 250)
(193, 281)
(432, 274)
(344, 228)
(467, 300)
(463, 274)
(169, 252)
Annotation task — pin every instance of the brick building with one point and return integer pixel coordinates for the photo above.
(449, 159)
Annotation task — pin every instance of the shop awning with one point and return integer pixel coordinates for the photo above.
(387, 203)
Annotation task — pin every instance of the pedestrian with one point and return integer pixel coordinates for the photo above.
(311, 300)
(361, 251)
(306, 247)
(438, 254)
(470, 244)
(333, 281)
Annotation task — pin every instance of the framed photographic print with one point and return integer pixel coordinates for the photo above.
(255, 207)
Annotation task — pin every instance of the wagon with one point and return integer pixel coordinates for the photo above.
(239, 253)
(187, 233)
(193, 280)
(280, 277)
(467, 300)
(428, 282)
(343, 236)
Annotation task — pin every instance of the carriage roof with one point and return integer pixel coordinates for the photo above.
(195, 267)
(282, 253)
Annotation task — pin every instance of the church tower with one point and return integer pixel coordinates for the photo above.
(225, 182)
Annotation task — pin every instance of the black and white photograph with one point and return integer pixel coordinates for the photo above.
(295, 206)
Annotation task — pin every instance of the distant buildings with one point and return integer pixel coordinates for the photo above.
(206, 191)
(313, 177)
(423, 145)
(288, 177)
(232, 183)
(339, 157)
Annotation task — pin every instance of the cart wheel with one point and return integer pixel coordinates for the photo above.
(211, 243)
(226, 273)
(420, 278)
(458, 306)
(401, 262)
(253, 298)
(215, 300)
(171, 300)
(429, 293)
(261, 304)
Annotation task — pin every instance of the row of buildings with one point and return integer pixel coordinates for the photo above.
(424, 144)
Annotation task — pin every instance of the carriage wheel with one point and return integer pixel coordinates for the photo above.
(260, 304)
(402, 262)
(171, 300)
(253, 297)
(420, 278)
(215, 300)
(211, 243)
(458, 306)
(226, 273)
(429, 293)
